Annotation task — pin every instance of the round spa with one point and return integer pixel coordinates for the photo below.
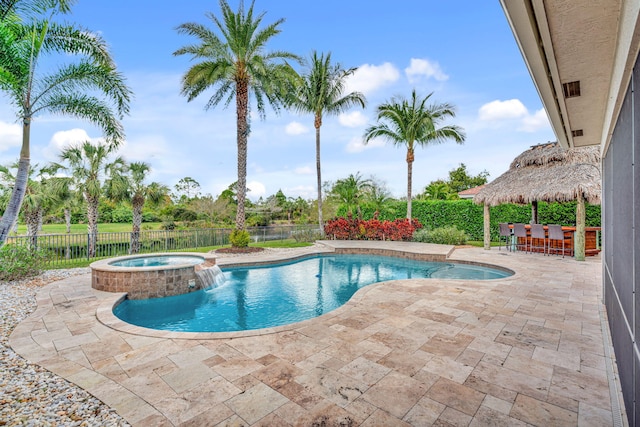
(152, 275)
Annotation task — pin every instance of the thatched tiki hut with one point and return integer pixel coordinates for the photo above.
(548, 173)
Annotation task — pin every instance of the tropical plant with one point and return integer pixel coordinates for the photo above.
(68, 89)
(442, 236)
(438, 190)
(237, 64)
(30, 8)
(89, 166)
(350, 190)
(19, 261)
(131, 186)
(38, 196)
(321, 92)
(412, 122)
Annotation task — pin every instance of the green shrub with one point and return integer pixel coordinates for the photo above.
(239, 238)
(122, 215)
(19, 262)
(168, 224)
(442, 236)
(309, 235)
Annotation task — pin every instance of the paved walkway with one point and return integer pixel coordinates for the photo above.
(525, 350)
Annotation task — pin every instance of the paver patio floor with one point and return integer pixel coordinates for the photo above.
(525, 350)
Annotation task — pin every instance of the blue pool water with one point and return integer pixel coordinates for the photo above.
(280, 294)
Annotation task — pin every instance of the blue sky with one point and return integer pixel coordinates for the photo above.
(462, 50)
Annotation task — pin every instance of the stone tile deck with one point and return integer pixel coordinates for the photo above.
(524, 350)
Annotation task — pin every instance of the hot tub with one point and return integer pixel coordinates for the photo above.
(152, 275)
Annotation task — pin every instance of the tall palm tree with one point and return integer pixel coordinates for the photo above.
(321, 92)
(237, 64)
(64, 90)
(131, 186)
(412, 122)
(89, 168)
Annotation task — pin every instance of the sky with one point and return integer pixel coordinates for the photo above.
(462, 51)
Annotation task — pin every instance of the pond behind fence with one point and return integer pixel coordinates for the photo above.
(68, 249)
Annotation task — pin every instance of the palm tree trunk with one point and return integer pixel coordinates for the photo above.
(32, 217)
(242, 107)
(22, 177)
(317, 124)
(410, 158)
(67, 219)
(137, 221)
(92, 225)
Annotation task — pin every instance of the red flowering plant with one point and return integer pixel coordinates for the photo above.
(355, 229)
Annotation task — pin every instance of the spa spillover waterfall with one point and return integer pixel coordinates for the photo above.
(211, 277)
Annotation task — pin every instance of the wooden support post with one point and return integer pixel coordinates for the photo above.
(487, 228)
(579, 237)
(534, 212)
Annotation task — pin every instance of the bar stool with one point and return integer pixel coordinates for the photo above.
(505, 232)
(538, 233)
(556, 234)
(520, 232)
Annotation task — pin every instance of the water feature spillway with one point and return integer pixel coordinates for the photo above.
(211, 277)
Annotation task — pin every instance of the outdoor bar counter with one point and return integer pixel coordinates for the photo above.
(591, 241)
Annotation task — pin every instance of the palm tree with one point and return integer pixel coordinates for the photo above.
(237, 65)
(410, 122)
(131, 186)
(320, 92)
(33, 7)
(61, 91)
(89, 168)
(38, 196)
(350, 190)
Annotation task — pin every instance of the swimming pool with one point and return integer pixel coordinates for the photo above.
(283, 293)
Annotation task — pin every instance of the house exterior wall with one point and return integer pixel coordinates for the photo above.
(621, 219)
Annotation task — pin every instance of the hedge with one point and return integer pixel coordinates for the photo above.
(469, 217)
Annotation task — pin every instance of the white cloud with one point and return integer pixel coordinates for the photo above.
(296, 128)
(10, 135)
(424, 68)
(535, 122)
(303, 170)
(501, 110)
(513, 112)
(368, 78)
(257, 190)
(357, 145)
(66, 138)
(146, 148)
(352, 120)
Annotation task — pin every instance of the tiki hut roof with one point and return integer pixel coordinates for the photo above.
(549, 173)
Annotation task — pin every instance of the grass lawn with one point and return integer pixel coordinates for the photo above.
(82, 228)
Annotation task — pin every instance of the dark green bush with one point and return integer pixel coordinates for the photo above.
(20, 262)
(122, 215)
(239, 238)
(441, 236)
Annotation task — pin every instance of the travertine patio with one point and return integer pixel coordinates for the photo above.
(526, 350)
